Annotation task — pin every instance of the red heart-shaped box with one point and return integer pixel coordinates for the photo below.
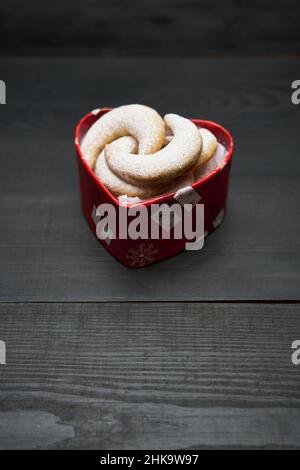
(211, 191)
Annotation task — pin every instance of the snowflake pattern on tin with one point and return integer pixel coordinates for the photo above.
(142, 255)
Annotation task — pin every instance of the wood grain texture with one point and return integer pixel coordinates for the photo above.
(157, 28)
(22, 430)
(46, 249)
(144, 376)
(119, 375)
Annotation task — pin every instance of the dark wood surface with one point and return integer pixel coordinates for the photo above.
(159, 28)
(47, 251)
(92, 362)
(148, 376)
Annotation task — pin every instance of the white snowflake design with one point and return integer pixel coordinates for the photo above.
(141, 256)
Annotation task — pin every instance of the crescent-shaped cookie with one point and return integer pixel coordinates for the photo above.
(141, 122)
(209, 147)
(116, 185)
(180, 155)
(212, 164)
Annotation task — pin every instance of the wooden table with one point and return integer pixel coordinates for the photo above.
(194, 352)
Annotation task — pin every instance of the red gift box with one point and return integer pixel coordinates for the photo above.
(210, 191)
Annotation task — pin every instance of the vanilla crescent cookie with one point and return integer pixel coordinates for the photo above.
(179, 156)
(212, 164)
(139, 121)
(116, 185)
(209, 147)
